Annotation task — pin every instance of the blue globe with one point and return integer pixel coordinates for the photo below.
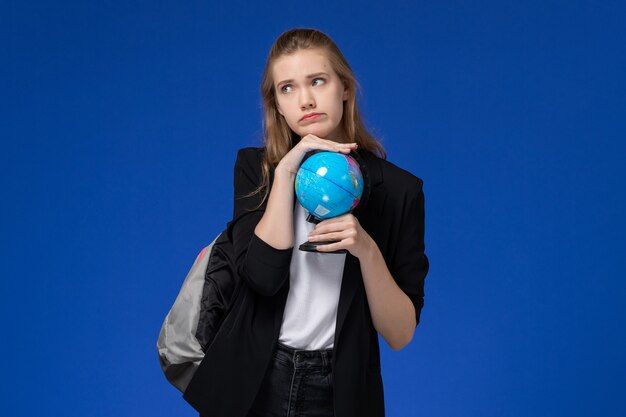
(329, 184)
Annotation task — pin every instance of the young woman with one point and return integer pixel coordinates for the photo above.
(301, 337)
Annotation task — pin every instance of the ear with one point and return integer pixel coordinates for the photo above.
(346, 94)
(279, 110)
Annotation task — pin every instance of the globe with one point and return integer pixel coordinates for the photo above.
(329, 184)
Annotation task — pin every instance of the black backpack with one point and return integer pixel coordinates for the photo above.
(199, 310)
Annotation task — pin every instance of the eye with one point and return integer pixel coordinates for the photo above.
(282, 89)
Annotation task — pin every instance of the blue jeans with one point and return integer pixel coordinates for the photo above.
(297, 383)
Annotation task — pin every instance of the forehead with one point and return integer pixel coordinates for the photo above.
(300, 64)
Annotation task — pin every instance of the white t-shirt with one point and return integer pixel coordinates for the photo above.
(315, 283)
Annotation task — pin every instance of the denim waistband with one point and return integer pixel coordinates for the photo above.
(302, 359)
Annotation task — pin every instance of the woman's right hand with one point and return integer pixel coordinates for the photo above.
(292, 160)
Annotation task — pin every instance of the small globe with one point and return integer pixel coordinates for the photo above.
(329, 184)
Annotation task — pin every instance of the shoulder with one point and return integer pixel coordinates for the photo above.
(248, 172)
(250, 154)
(399, 181)
(249, 160)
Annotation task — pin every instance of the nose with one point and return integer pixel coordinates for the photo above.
(306, 99)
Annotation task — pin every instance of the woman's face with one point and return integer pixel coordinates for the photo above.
(305, 83)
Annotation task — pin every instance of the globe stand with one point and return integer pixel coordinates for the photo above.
(312, 246)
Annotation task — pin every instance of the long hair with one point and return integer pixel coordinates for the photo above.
(278, 137)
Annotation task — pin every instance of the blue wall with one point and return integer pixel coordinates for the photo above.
(120, 123)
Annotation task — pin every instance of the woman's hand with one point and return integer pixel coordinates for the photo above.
(292, 160)
(347, 232)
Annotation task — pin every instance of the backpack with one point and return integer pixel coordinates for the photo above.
(199, 310)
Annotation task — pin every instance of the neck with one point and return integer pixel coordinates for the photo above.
(338, 136)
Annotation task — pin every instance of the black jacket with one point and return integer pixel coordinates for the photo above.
(228, 379)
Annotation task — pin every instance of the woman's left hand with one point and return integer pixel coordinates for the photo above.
(346, 232)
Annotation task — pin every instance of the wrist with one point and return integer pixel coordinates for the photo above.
(284, 172)
(371, 250)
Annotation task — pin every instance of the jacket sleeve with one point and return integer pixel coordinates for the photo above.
(262, 266)
(410, 264)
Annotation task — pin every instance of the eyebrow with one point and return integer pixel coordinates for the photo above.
(308, 76)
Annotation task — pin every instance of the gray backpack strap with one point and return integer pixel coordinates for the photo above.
(180, 353)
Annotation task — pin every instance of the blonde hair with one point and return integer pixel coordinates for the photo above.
(278, 137)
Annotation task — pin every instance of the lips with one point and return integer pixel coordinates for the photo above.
(310, 116)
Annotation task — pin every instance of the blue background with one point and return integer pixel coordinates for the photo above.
(120, 123)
